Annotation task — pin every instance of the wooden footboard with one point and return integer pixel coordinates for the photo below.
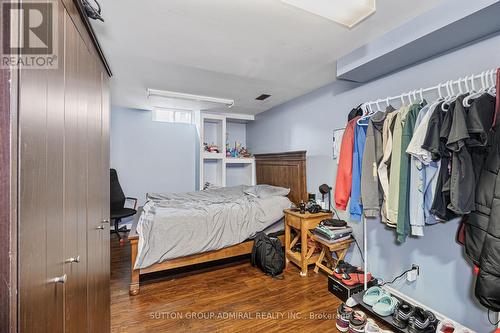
(228, 252)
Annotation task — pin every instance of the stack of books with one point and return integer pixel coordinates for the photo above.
(333, 231)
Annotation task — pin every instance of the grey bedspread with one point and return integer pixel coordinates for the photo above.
(178, 225)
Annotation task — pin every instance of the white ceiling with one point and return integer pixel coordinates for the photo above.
(235, 49)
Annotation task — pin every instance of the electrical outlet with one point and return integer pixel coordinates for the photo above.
(413, 274)
(415, 266)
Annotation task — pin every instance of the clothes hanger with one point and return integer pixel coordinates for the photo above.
(366, 114)
(468, 100)
(445, 106)
(493, 89)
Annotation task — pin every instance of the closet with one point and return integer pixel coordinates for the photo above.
(62, 186)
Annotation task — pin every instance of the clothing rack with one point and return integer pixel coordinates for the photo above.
(487, 79)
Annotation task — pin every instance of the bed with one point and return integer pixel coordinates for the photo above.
(164, 237)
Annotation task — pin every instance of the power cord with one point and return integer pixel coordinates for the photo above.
(359, 248)
(397, 277)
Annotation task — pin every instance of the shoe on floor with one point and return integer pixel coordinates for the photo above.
(445, 327)
(372, 295)
(422, 321)
(358, 322)
(344, 315)
(371, 326)
(402, 314)
(385, 306)
(343, 267)
(358, 277)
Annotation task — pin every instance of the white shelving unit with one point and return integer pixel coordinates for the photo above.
(217, 168)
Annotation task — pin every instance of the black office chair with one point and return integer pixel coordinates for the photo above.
(117, 203)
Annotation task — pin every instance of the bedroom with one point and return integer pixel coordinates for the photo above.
(203, 130)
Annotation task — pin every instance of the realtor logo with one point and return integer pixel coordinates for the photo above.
(30, 40)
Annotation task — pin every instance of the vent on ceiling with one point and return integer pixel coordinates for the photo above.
(263, 97)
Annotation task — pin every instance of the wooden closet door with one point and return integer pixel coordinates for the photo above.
(41, 147)
(105, 297)
(74, 179)
(97, 200)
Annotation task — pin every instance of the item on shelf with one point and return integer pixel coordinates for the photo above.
(302, 207)
(385, 305)
(422, 321)
(402, 314)
(325, 189)
(344, 315)
(371, 326)
(343, 292)
(445, 327)
(212, 148)
(357, 322)
(358, 277)
(344, 267)
(333, 224)
(332, 236)
(372, 295)
(313, 208)
(238, 151)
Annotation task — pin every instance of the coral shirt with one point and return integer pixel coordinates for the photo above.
(344, 171)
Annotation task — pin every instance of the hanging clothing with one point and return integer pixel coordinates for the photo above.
(479, 121)
(393, 197)
(435, 141)
(462, 180)
(355, 207)
(384, 165)
(482, 239)
(422, 176)
(355, 113)
(403, 221)
(343, 183)
(371, 190)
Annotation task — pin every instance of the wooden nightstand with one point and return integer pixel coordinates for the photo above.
(301, 225)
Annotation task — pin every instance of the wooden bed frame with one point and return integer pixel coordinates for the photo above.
(278, 169)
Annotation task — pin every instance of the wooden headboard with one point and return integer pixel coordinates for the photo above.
(285, 170)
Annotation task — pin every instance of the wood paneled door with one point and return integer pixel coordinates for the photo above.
(63, 176)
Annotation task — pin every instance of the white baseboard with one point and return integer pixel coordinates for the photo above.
(458, 327)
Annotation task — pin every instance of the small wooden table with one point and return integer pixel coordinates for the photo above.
(340, 250)
(301, 225)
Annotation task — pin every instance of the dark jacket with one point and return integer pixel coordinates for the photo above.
(482, 228)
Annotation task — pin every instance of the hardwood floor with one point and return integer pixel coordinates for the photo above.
(211, 300)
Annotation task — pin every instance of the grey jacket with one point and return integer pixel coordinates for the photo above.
(371, 189)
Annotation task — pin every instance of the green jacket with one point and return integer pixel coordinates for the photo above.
(403, 220)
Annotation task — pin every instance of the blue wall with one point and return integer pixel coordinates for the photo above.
(445, 283)
(152, 156)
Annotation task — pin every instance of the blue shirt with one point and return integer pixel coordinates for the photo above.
(355, 207)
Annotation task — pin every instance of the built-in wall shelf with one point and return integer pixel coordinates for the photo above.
(218, 168)
(240, 160)
(213, 156)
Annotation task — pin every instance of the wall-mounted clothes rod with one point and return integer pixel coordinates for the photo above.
(485, 80)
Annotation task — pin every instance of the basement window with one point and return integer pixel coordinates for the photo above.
(172, 115)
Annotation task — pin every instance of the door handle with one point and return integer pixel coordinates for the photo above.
(73, 259)
(60, 279)
(100, 227)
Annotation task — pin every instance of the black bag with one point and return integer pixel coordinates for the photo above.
(268, 254)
